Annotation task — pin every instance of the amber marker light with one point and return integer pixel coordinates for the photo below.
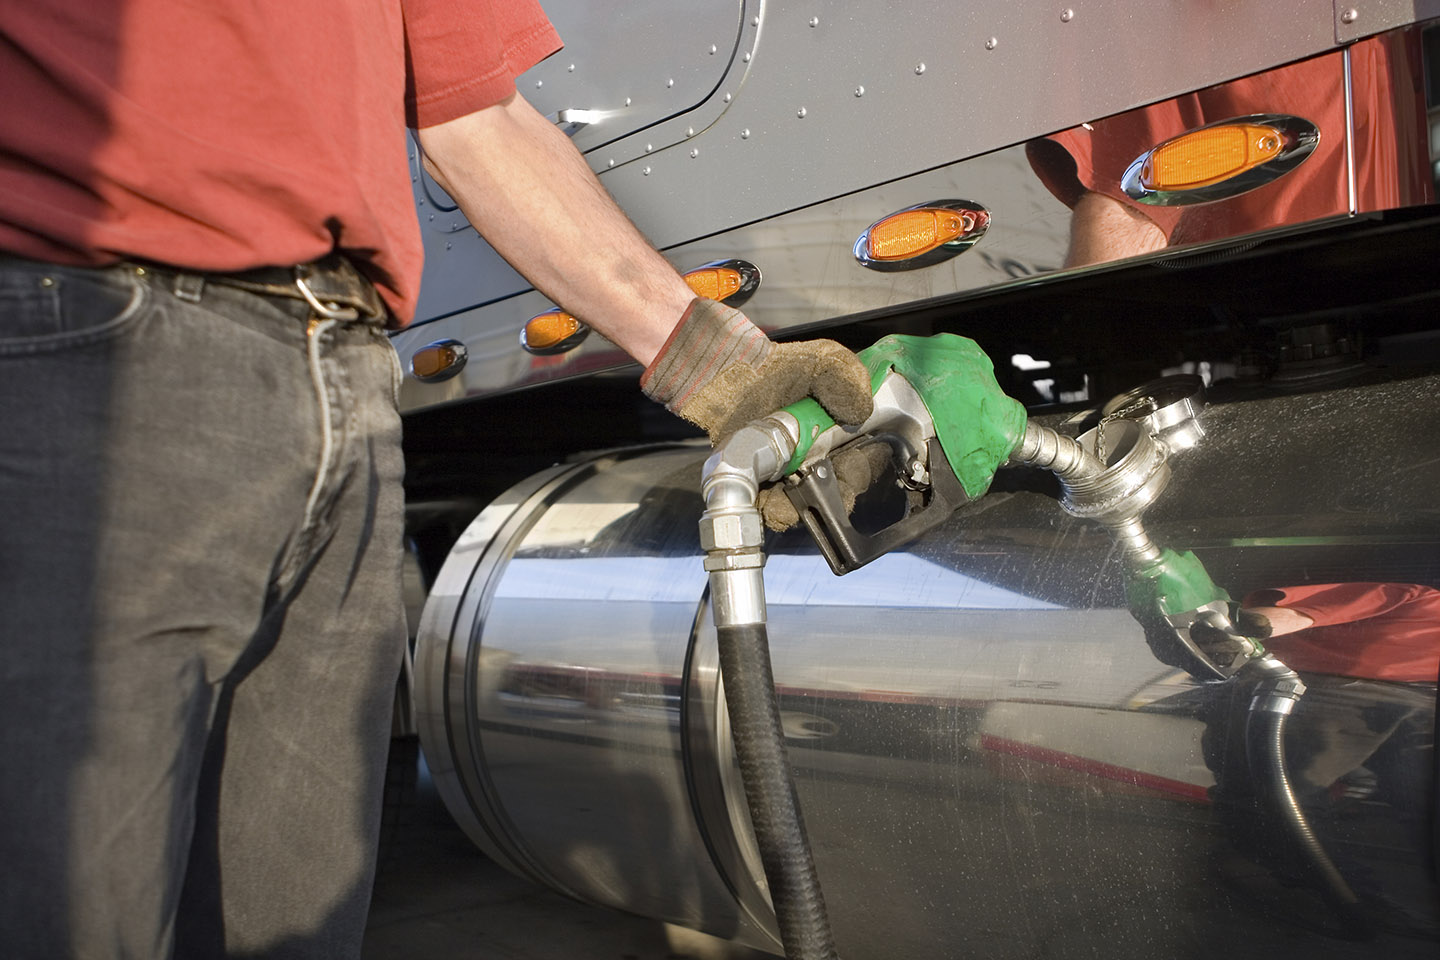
(550, 329)
(922, 235)
(715, 283)
(1220, 160)
(438, 361)
(913, 232)
(1210, 155)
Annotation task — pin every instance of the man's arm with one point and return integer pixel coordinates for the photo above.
(529, 192)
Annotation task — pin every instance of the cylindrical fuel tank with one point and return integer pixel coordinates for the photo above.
(991, 757)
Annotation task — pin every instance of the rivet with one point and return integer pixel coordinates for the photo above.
(859, 91)
(746, 57)
(610, 162)
(646, 171)
(714, 49)
(448, 244)
(628, 101)
(539, 84)
(139, 271)
(649, 147)
(1350, 15)
(572, 68)
(413, 178)
(47, 281)
(745, 134)
(814, 21)
(755, 21)
(727, 98)
(432, 217)
(694, 153)
(801, 113)
(992, 43)
(689, 131)
(919, 69)
(670, 82)
(421, 201)
(1067, 15)
(454, 224)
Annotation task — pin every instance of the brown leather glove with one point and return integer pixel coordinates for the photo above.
(719, 371)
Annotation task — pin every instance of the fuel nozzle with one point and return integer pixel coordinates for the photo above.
(947, 424)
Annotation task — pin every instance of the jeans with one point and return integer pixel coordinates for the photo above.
(200, 617)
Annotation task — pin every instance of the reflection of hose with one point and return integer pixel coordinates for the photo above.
(770, 792)
(1275, 696)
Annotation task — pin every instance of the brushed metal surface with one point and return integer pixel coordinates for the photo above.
(801, 113)
(990, 760)
(805, 252)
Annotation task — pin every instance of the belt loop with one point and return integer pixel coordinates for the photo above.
(189, 287)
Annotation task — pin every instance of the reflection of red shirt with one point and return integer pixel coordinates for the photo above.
(1391, 155)
(1381, 631)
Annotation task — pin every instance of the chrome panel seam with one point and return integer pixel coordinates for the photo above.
(1349, 85)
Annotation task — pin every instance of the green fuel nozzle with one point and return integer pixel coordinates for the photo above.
(948, 424)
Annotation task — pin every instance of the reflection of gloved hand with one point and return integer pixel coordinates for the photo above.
(719, 371)
(1221, 647)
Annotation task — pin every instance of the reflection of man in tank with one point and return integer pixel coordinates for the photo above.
(1340, 637)
(1082, 166)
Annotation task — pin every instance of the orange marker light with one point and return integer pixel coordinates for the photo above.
(438, 361)
(715, 283)
(549, 329)
(1209, 156)
(913, 232)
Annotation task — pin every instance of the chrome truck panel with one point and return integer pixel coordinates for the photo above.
(794, 195)
(990, 759)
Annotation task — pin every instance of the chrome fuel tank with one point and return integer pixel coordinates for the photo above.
(990, 758)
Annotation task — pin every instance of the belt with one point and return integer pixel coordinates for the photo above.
(332, 286)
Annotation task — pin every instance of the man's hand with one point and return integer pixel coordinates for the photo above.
(719, 371)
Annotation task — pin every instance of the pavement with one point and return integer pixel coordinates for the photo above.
(437, 896)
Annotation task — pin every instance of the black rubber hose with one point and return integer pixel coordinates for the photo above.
(770, 793)
(1265, 746)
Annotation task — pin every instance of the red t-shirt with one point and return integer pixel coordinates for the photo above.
(1383, 631)
(224, 136)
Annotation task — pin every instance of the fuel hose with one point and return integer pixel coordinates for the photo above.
(770, 792)
(1265, 749)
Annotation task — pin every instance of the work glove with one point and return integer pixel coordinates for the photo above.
(719, 371)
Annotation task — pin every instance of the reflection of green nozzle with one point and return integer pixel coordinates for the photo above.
(976, 423)
(1175, 583)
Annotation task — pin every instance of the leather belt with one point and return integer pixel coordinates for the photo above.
(332, 286)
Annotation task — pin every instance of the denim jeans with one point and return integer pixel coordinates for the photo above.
(200, 618)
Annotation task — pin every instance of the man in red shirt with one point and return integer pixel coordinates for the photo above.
(205, 227)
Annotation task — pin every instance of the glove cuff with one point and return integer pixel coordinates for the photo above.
(709, 338)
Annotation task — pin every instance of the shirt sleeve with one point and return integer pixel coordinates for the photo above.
(1328, 604)
(464, 55)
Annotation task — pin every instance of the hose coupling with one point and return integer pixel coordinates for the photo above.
(1279, 688)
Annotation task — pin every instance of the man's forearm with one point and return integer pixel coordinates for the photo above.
(524, 186)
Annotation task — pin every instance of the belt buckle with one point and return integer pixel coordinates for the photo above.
(329, 311)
